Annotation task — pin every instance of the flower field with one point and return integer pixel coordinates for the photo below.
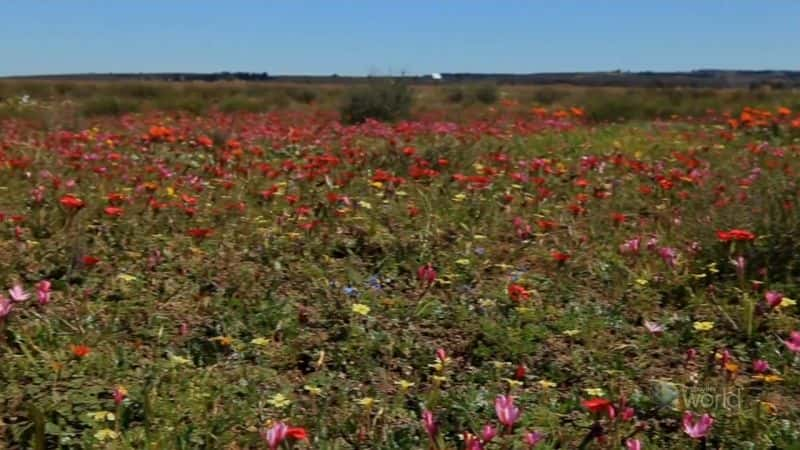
(518, 278)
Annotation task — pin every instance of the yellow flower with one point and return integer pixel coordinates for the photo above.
(571, 332)
(786, 302)
(364, 204)
(261, 341)
(223, 340)
(404, 384)
(463, 262)
(594, 392)
(279, 401)
(126, 277)
(770, 378)
(102, 416)
(546, 384)
(366, 402)
(376, 184)
(703, 326)
(106, 433)
(313, 390)
(438, 379)
(178, 360)
(361, 309)
(512, 383)
(641, 282)
(460, 197)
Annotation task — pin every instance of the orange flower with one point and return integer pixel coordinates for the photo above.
(80, 351)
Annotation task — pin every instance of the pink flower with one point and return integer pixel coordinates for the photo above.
(507, 413)
(119, 393)
(633, 444)
(533, 438)
(653, 327)
(429, 422)
(793, 343)
(773, 298)
(489, 432)
(43, 292)
(630, 247)
(696, 429)
(275, 435)
(6, 305)
(471, 442)
(18, 294)
(760, 366)
(441, 355)
(740, 264)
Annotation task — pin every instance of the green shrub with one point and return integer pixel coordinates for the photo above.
(385, 101)
(454, 95)
(485, 93)
(108, 106)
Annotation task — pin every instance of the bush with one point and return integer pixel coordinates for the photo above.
(486, 93)
(109, 106)
(454, 95)
(387, 101)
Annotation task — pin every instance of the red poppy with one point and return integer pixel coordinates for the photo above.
(113, 211)
(81, 350)
(89, 261)
(517, 292)
(72, 202)
(560, 256)
(297, 433)
(735, 235)
(597, 405)
(200, 233)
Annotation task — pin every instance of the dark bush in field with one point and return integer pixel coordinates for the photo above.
(381, 101)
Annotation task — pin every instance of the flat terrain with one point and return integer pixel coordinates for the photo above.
(207, 274)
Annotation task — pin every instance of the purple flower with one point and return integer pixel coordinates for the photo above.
(507, 413)
(18, 293)
(697, 428)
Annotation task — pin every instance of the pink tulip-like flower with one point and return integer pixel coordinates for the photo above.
(43, 292)
(627, 414)
(633, 444)
(426, 274)
(429, 422)
(119, 393)
(18, 293)
(697, 428)
(760, 366)
(631, 247)
(275, 435)
(669, 255)
(793, 343)
(6, 305)
(441, 355)
(471, 442)
(489, 432)
(507, 413)
(653, 327)
(533, 438)
(773, 298)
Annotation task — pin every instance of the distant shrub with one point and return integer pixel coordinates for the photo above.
(385, 101)
(549, 95)
(454, 94)
(108, 106)
(485, 93)
(302, 95)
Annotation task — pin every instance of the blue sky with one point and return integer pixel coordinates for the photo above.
(382, 37)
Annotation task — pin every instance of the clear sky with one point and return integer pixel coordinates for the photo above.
(381, 37)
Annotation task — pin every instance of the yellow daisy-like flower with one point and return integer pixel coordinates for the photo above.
(703, 326)
(106, 434)
(438, 379)
(594, 392)
(102, 416)
(769, 378)
(313, 390)
(260, 341)
(512, 383)
(366, 402)
(572, 332)
(360, 309)
(460, 197)
(463, 262)
(279, 401)
(786, 302)
(404, 384)
(365, 205)
(546, 384)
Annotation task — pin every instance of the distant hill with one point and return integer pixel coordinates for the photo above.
(707, 78)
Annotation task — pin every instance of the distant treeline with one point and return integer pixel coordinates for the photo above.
(697, 79)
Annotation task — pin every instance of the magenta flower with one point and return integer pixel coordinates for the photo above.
(43, 292)
(275, 435)
(793, 343)
(441, 355)
(507, 413)
(633, 444)
(760, 366)
(426, 274)
(773, 298)
(6, 305)
(471, 442)
(740, 264)
(18, 293)
(429, 422)
(533, 438)
(631, 247)
(699, 428)
(489, 432)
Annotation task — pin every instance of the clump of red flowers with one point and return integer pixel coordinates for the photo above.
(735, 235)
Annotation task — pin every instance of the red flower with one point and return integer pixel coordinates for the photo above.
(297, 433)
(560, 256)
(72, 202)
(81, 350)
(517, 292)
(735, 235)
(598, 405)
(89, 261)
(200, 233)
(113, 211)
